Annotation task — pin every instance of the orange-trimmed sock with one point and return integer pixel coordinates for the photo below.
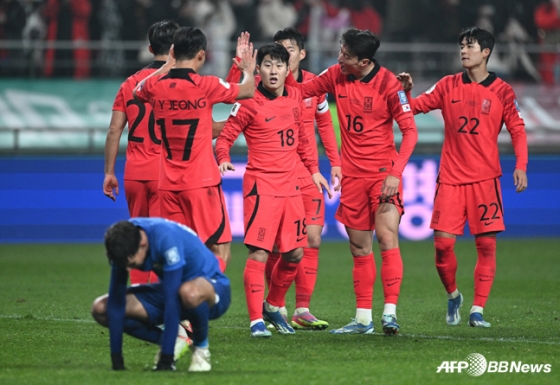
(306, 277)
(363, 275)
(391, 274)
(283, 275)
(253, 281)
(484, 270)
(446, 262)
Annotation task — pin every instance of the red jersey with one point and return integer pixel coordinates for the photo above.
(316, 109)
(182, 103)
(474, 114)
(144, 145)
(366, 110)
(273, 128)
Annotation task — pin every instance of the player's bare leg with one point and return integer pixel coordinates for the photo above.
(363, 275)
(306, 278)
(387, 219)
(446, 265)
(223, 252)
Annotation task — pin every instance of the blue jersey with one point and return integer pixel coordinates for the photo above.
(176, 255)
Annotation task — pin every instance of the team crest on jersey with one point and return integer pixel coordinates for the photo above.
(486, 104)
(368, 104)
(308, 102)
(262, 233)
(172, 256)
(296, 114)
(402, 97)
(235, 108)
(173, 85)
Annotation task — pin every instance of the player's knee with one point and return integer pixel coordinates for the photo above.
(313, 241)
(99, 310)
(387, 240)
(293, 256)
(190, 295)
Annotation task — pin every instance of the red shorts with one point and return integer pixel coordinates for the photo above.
(271, 220)
(142, 198)
(313, 202)
(359, 199)
(480, 203)
(202, 209)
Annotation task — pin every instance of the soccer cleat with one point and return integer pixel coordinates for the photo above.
(354, 327)
(200, 360)
(453, 317)
(476, 321)
(258, 330)
(275, 318)
(389, 324)
(307, 321)
(182, 343)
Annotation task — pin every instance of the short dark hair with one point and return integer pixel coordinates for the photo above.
(484, 38)
(360, 43)
(122, 241)
(275, 50)
(291, 34)
(187, 42)
(160, 36)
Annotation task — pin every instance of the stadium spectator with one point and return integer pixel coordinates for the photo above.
(316, 110)
(475, 104)
(141, 170)
(191, 287)
(547, 19)
(67, 20)
(269, 19)
(182, 100)
(368, 99)
(274, 215)
(12, 22)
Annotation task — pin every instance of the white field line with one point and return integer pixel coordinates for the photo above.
(421, 336)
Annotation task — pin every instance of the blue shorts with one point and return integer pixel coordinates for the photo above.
(152, 298)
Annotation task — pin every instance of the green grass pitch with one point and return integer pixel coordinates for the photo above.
(47, 335)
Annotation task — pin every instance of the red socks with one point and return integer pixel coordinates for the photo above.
(283, 275)
(270, 263)
(446, 262)
(484, 270)
(391, 274)
(363, 275)
(222, 263)
(253, 279)
(306, 277)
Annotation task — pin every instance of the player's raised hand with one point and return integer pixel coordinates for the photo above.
(242, 43)
(321, 183)
(226, 166)
(520, 180)
(406, 81)
(390, 186)
(336, 173)
(248, 60)
(109, 183)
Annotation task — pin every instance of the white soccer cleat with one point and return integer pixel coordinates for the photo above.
(182, 343)
(200, 361)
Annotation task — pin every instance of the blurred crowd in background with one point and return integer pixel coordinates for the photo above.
(107, 38)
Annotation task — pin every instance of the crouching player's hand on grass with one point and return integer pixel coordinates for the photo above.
(321, 183)
(117, 361)
(165, 363)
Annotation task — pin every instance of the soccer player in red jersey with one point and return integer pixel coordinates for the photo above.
(182, 100)
(141, 171)
(475, 104)
(368, 99)
(274, 214)
(316, 110)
